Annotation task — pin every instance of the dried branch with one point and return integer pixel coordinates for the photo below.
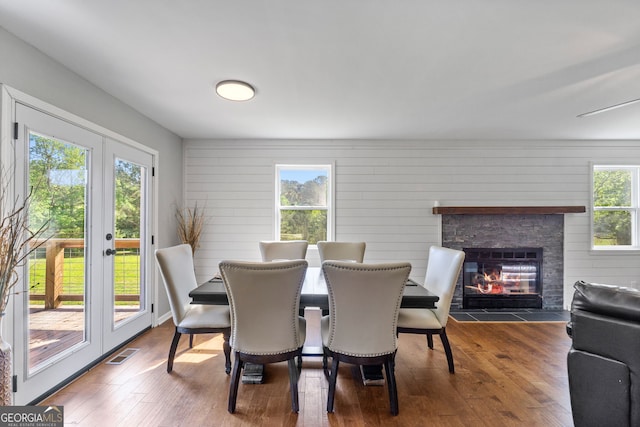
(17, 240)
(190, 225)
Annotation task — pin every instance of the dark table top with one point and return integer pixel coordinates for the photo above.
(314, 293)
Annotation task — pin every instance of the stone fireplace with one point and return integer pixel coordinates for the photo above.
(502, 278)
(535, 227)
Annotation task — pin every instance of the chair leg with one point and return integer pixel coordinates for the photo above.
(430, 340)
(332, 384)
(227, 352)
(389, 367)
(190, 340)
(325, 368)
(293, 384)
(447, 349)
(233, 387)
(172, 350)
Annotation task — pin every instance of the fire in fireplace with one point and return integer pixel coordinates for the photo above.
(502, 278)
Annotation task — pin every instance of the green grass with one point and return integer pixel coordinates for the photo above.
(126, 275)
(605, 241)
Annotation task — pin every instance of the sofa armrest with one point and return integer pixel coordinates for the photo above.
(615, 301)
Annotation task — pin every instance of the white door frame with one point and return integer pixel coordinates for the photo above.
(8, 99)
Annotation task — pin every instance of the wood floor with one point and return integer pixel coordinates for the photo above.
(507, 374)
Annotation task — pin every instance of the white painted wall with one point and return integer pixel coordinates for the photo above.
(385, 191)
(28, 70)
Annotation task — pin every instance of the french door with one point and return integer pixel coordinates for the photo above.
(87, 287)
(127, 243)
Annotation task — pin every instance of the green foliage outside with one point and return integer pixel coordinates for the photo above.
(612, 191)
(58, 173)
(128, 200)
(310, 193)
(303, 224)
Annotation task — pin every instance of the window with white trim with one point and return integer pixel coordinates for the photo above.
(616, 195)
(304, 202)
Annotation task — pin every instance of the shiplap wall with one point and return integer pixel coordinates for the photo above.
(385, 191)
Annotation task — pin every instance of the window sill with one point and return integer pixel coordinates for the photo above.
(615, 251)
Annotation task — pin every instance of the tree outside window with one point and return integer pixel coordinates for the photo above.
(615, 207)
(303, 202)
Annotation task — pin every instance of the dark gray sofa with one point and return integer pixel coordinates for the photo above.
(604, 359)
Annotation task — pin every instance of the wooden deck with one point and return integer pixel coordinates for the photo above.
(55, 330)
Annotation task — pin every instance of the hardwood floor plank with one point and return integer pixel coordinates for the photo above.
(313, 399)
(507, 374)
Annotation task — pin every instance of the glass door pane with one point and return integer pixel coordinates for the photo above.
(57, 286)
(129, 214)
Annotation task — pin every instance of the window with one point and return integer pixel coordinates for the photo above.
(615, 207)
(304, 202)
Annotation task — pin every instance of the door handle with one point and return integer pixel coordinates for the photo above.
(110, 252)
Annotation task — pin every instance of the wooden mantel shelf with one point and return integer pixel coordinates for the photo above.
(506, 210)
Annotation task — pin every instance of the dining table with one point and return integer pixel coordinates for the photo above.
(314, 294)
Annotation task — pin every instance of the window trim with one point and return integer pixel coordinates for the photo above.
(330, 207)
(634, 208)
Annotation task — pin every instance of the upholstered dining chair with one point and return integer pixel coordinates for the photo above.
(443, 270)
(341, 251)
(178, 275)
(265, 326)
(286, 249)
(360, 329)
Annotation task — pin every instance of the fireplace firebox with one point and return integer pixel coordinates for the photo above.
(502, 278)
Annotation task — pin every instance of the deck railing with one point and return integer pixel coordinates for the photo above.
(54, 271)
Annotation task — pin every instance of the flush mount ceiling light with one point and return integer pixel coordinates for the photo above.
(235, 90)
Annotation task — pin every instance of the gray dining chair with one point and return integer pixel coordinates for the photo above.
(443, 270)
(178, 274)
(281, 250)
(360, 329)
(341, 251)
(265, 326)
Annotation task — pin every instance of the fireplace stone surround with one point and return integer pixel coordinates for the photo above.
(512, 230)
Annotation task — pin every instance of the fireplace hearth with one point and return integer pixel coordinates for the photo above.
(502, 278)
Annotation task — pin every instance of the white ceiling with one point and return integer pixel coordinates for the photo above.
(383, 69)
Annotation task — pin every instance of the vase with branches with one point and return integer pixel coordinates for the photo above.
(17, 242)
(191, 222)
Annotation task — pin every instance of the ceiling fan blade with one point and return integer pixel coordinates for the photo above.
(612, 107)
